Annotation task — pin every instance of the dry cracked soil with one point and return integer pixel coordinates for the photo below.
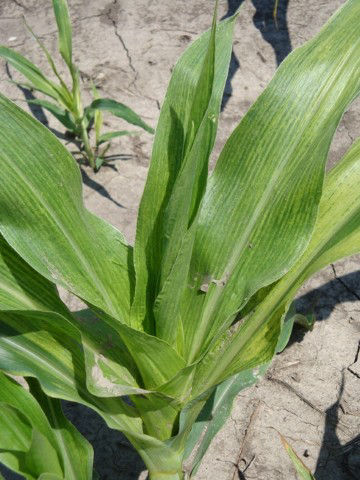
(128, 48)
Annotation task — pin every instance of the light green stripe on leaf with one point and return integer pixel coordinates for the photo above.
(43, 218)
(168, 158)
(271, 170)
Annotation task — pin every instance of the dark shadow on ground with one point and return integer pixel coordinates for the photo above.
(322, 301)
(97, 187)
(274, 32)
(337, 461)
(112, 451)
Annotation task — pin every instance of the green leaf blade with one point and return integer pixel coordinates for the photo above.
(105, 137)
(301, 469)
(62, 17)
(30, 71)
(63, 116)
(271, 170)
(168, 160)
(120, 110)
(43, 217)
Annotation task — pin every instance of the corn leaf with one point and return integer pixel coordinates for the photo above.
(31, 72)
(59, 113)
(105, 137)
(39, 440)
(217, 410)
(336, 234)
(21, 287)
(271, 169)
(46, 346)
(181, 212)
(109, 353)
(110, 370)
(119, 110)
(43, 218)
(64, 29)
(55, 359)
(66, 95)
(76, 453)
(302, 470)
(15, 433)
(168, 158)
(218, 407)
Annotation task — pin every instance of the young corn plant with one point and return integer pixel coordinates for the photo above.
(178, 324)
(66, 103)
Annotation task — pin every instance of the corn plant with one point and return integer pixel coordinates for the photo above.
(178, 324)
(66, 103)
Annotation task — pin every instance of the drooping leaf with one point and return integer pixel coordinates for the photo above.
(105, 137)
(109, 354)
(64, 29)
(65, 93)
(53, 445)
(271, 169)
(46, 346)
(21, 287)
(31, 72)
(43, 217)
(119, 110)
(110, 370)
(59, 113)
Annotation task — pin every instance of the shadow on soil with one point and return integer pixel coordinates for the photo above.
(274, 32)
(38, 112)
(336, 461)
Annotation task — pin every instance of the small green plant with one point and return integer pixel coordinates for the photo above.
(68, 107)
(178, 324)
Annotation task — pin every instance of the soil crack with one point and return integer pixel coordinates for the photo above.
(298, 394)
(357, 355)
(339, 279)
(121, 40)
(247, 436)
(19, 4)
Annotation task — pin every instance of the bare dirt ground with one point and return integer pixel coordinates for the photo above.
(128, 47)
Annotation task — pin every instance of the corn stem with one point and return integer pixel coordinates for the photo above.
(86, 143)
